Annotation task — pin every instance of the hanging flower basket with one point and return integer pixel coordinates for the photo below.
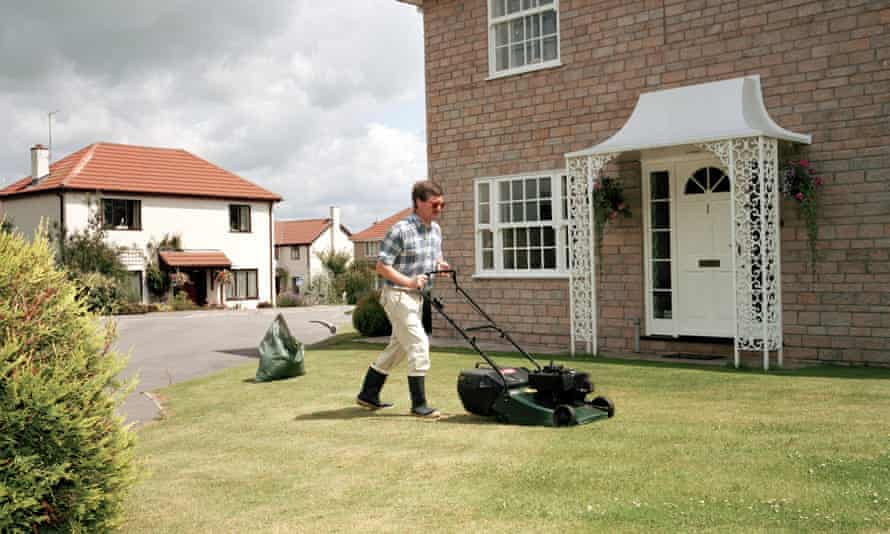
(800, 183)
(609, 204)
(224, 277)
(179, 279)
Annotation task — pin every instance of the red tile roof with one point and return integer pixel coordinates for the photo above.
(195, 258)
(302, 231)
(377, 231)
(136, 169)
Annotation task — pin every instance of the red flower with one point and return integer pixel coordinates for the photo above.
(799, 197)
(817, 180)
(804, 163)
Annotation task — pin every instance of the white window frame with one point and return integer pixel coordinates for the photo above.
(371, 249)
(559, 222)
(493, 22)
(233, 290)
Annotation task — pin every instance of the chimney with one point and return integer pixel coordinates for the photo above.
(335, 226)
(39, 162)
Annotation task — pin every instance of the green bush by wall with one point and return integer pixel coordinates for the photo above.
(369, 318)
(66, 460)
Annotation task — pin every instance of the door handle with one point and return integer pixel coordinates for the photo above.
(709, 263)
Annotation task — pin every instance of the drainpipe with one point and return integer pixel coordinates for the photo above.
(271, 256)
(61, 221)
(636, 323)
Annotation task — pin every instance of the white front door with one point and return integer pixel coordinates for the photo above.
(688, 248)
(703, 257)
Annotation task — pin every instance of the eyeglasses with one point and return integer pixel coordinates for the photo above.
(436, 204)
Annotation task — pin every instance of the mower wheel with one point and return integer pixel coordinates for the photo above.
(604, 404)
(564, 415)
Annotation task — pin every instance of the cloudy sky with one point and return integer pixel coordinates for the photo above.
(320, 101)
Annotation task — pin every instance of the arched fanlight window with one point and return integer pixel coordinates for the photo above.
(707, 179)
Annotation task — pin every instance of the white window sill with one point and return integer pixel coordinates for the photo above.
(523, 70)
(520, 275)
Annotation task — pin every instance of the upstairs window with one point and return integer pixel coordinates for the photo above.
(121, 214)
(239, 218)
(295, 253)
(523, 35)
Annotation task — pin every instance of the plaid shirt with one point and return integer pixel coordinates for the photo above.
(411, 247)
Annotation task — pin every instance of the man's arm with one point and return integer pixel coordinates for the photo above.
(399, 279)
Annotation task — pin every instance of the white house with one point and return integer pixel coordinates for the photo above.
(298, 244)
(144, 193)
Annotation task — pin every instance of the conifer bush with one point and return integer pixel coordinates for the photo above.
(66, 460)
(369, 317)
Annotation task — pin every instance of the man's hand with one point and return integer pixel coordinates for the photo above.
(419, 281)
(442, 265)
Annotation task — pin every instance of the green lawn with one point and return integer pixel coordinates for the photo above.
(690, 449)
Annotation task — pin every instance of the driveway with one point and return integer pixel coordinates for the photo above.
(167, 348)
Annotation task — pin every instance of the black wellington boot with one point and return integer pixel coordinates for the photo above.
(419, 408)
(369, 397)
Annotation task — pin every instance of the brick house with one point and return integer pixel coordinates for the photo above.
(298, 243)
(527, 101)
(367, 242)
(142, 194)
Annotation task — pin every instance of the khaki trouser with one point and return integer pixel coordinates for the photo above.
(404, 309)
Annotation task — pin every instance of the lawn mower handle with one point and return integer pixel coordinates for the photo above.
(490, 326)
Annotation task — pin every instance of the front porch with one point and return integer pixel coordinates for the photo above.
(708, 167)
(202, 268)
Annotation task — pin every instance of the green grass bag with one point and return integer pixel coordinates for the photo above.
(281, 356)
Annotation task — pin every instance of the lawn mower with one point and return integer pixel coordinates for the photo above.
(552, 395)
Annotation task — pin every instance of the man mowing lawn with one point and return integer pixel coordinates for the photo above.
(412, 247)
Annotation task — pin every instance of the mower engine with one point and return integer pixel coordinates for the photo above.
(555, 385)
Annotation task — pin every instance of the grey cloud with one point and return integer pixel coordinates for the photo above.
(284, 93)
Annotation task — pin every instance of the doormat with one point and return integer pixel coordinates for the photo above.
(687, 356)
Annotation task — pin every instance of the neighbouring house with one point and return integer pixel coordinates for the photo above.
(142, 194)
(367, 242)
(692, 106)
(298, 244)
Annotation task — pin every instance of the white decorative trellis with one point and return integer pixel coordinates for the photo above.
(583, 174)
(752, 166)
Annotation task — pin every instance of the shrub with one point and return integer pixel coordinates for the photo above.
(101, 293)
(95, 266)
(322, 290)
(133, 308)
(158, 281)
(86, 251)
(66, 460)
(369, 318)
(182, 302)
(289, 300)
(358, 280)
(264, 304)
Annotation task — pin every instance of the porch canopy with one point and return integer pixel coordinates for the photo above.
(195, 258)
(729, 119)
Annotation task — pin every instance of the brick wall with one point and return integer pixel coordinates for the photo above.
(825, 70)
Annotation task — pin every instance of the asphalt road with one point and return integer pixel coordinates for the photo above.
(166, 348)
